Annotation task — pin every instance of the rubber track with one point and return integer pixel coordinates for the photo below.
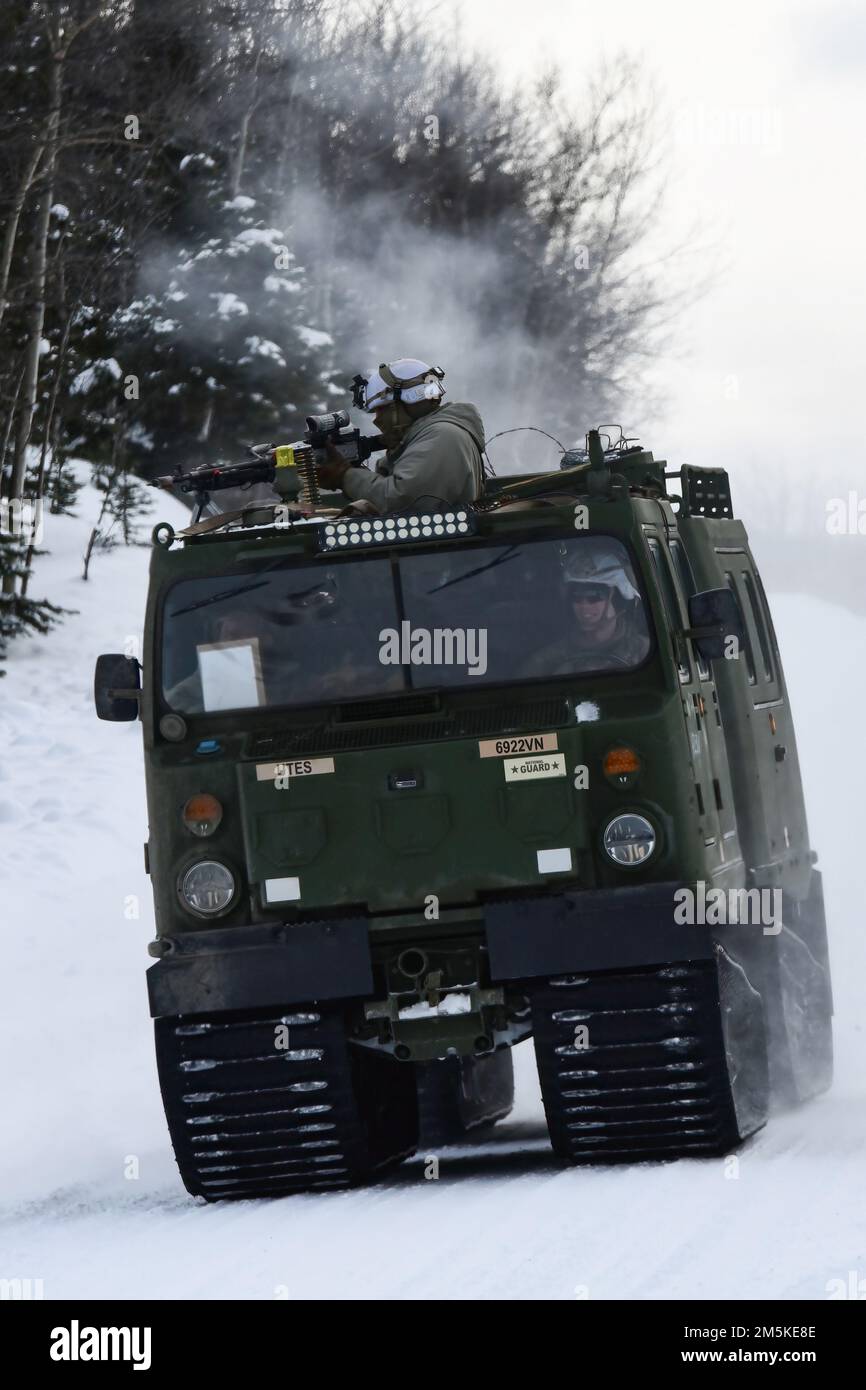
(652, 1082)
(250, 1119)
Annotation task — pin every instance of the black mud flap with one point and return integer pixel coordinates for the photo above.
(744, 1032)
(459, 1094)
(536, 936)
(252, 967)
(800, 1002)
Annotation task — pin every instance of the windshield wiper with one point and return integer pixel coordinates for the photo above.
(479, 569)
(218, 598)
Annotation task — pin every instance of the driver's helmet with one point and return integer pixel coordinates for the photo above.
(598, 566)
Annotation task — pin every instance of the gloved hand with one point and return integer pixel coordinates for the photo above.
(330, 472)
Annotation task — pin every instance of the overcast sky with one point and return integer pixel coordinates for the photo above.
(764, 112)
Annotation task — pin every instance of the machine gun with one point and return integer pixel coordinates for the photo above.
(289, 468)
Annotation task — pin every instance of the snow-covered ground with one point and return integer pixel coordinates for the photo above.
(90, 1200)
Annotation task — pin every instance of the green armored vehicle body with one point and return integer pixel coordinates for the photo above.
(421, 787)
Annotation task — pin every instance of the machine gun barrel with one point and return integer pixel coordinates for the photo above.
(214, 478)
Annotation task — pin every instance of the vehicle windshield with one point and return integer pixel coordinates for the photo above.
(321, 631)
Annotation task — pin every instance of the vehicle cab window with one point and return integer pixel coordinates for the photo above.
(672, 606)
(760, 625)
(748, 653)
(687, 580)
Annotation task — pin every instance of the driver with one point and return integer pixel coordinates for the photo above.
(607, 627)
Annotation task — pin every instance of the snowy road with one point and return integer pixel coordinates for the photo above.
(501, 1222)
(90, 1200)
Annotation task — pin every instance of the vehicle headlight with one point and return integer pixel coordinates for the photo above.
(207, 887)
(629, 840)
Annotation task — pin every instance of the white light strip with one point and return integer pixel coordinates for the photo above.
(344, 535)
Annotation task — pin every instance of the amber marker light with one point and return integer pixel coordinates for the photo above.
(621, 766)
(202, 814)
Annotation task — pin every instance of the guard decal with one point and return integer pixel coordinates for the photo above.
(525, 769)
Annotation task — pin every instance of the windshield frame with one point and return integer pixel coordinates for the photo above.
(469, 692)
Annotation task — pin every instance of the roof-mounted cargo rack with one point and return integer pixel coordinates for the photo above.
(706, 492)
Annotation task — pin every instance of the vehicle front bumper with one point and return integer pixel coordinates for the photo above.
(528, 937)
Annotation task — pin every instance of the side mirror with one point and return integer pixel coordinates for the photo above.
(117, 687)
(715, 618)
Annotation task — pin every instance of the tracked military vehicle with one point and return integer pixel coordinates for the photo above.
(408, 809)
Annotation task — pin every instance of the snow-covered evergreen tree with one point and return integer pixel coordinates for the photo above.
(222, 350)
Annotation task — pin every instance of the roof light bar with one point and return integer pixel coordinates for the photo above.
(389, 530)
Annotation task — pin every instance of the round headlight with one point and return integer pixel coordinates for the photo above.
(629, 840)
(207, 887)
